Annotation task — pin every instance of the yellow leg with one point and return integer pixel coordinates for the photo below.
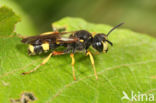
(43, 62)
(73, 68)
(92, 61)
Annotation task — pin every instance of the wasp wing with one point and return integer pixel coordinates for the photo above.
(53, 33)
(40, 39)
(50, 37)
(67, 40)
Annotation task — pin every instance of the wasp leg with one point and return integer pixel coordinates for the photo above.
(73, 62)
(44, 61)
(92, 61)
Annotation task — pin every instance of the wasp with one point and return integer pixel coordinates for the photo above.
(78, 41)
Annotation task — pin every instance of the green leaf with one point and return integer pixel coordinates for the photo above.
(8, 19)
(25, 26)
(128, 66)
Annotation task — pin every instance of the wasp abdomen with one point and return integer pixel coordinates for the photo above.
(38, 49)
(35, 49)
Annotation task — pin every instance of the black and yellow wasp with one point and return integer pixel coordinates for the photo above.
(78, 41)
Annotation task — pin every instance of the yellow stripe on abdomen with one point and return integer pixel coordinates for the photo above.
(31, 48)
(45, 46)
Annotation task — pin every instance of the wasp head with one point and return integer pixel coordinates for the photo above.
(100, 41)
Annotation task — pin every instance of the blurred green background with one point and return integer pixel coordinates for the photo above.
(138, 15)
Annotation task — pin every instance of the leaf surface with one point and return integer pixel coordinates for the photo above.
(128, 66)
(8, 19)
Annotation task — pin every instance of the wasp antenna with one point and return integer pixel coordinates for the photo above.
(110, 42)
(114, 28)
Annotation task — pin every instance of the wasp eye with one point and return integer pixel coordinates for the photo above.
(98, 46)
